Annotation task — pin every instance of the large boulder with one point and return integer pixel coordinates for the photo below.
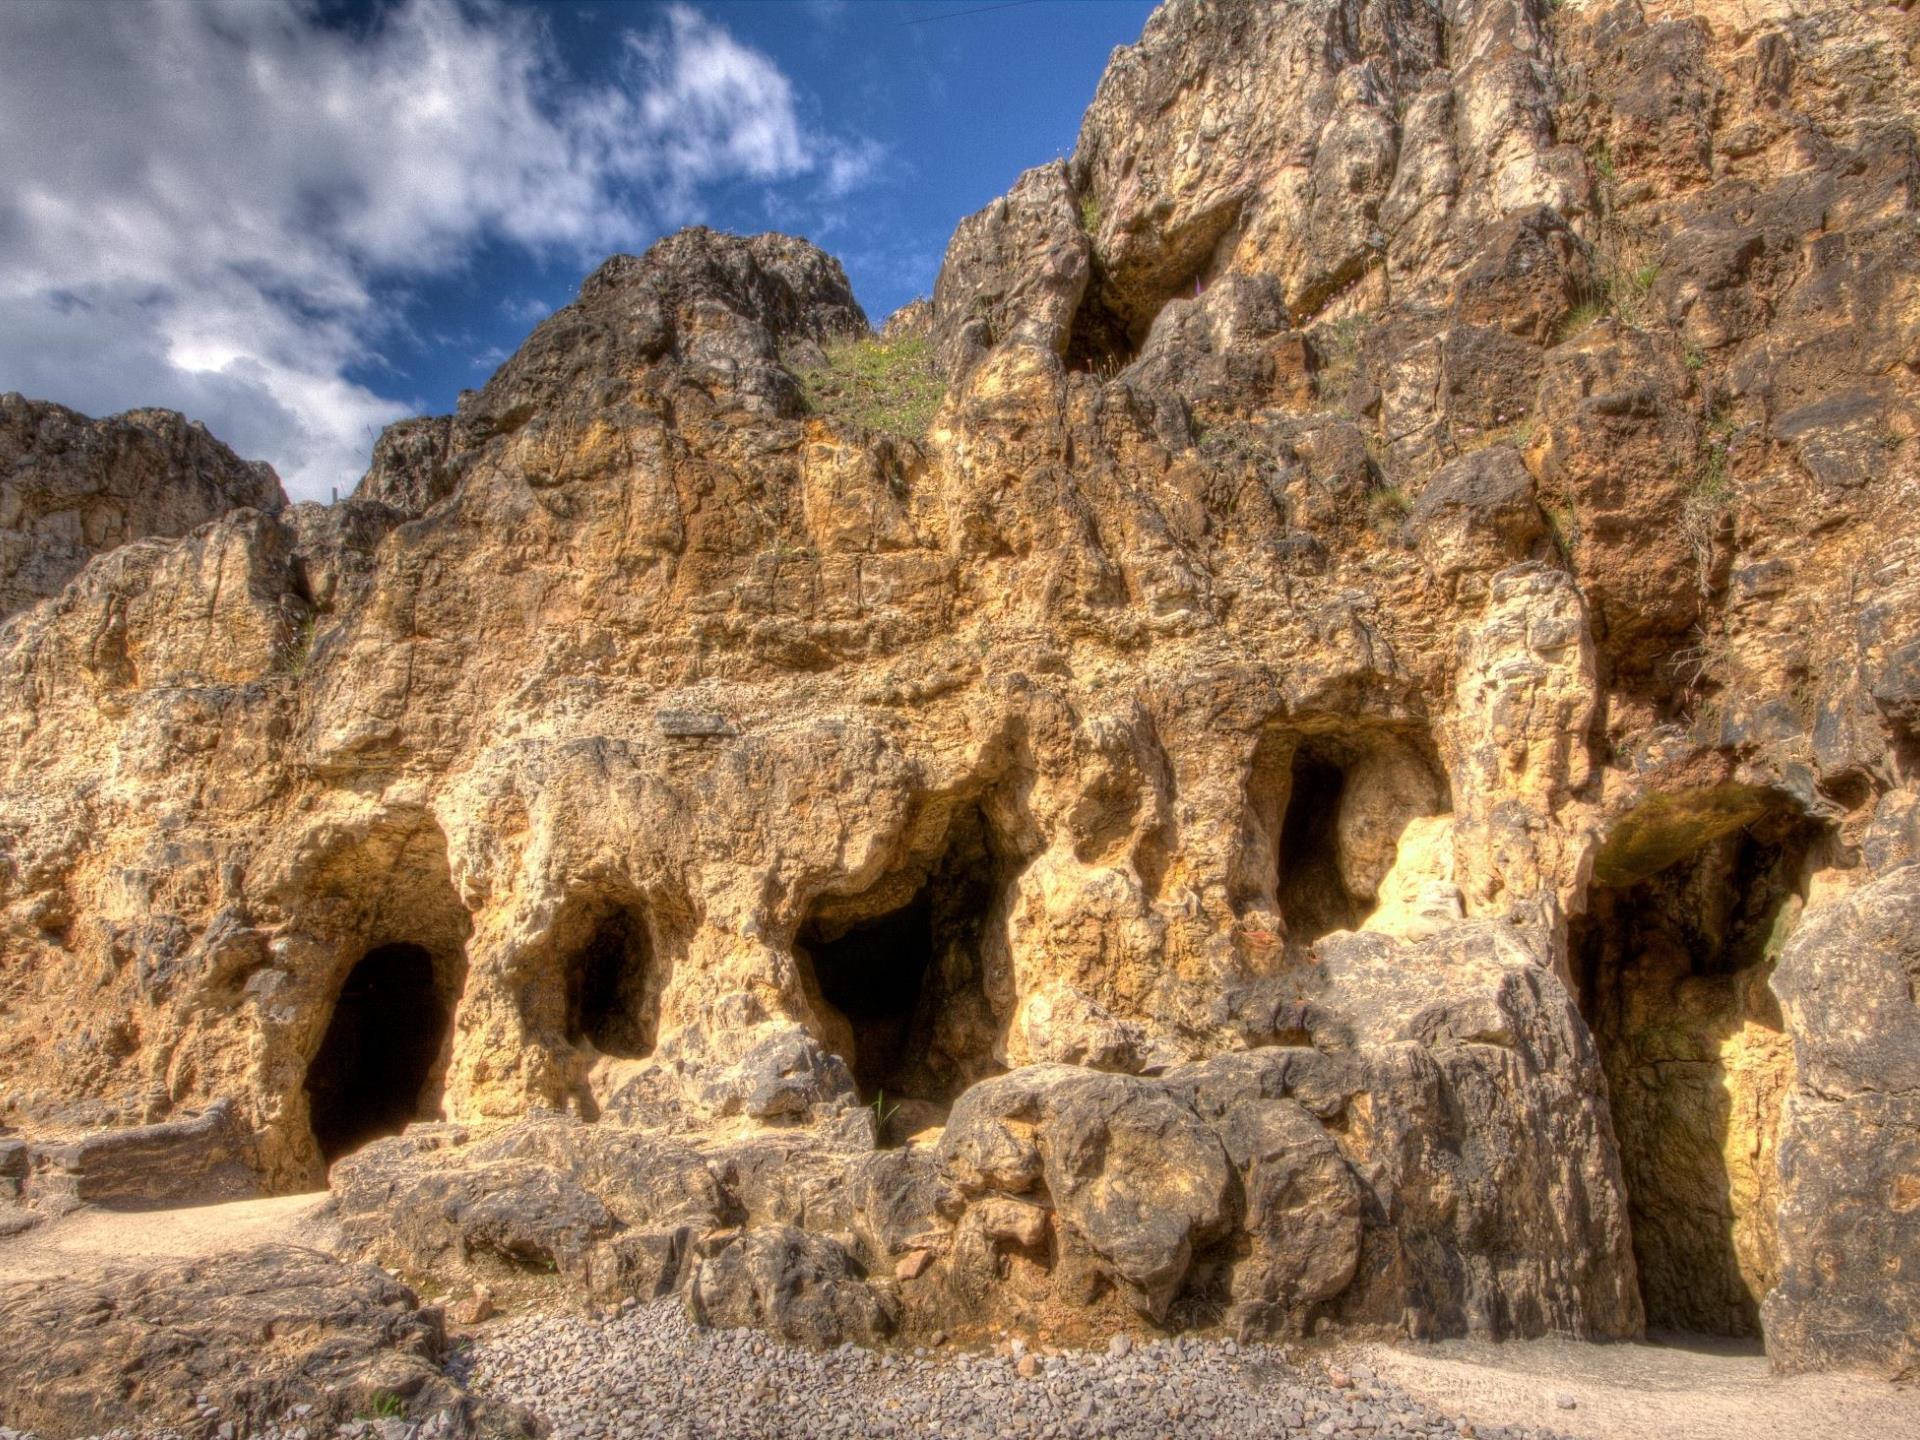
(1303, 1203)
(1128, 1176)
(191, 1158)
(543, 1197)
(1138, 1179)
(804, 1288)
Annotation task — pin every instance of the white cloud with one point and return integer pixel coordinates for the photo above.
(529, 308)
(203, 197)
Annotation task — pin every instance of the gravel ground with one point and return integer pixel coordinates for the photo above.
(652, 1375)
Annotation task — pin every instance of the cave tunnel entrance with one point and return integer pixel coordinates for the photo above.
(901, 992)
(611, 999)
(370, 1075)
(873, 973)
(1671, 972)
(1313, 894)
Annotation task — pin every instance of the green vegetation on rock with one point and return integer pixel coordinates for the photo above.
(891, 387)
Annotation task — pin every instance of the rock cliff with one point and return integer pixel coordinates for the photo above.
(1356, 775)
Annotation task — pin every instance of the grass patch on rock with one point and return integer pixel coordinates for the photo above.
(891, 387)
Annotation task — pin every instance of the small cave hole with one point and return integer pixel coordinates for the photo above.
(1327, 813)
(1099, 342)
(610, 1001)
(369, 1078)
(1313, 895)
(1117, 314)
(901, 992)
(1670, 971)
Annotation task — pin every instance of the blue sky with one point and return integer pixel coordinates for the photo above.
(298, 220)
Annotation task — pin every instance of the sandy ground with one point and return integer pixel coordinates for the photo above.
(89, 1241)
(1675, 1388)
(1679, 1387)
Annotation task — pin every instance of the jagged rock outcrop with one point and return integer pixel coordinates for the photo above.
(72, 488)
(1293, 789)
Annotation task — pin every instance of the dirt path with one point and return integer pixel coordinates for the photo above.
(1685, 1389)
(89, 1241)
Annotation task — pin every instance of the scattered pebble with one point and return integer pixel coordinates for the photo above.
(652, 1375)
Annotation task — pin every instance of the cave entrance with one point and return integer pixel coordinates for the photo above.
(370, 1076)
(1312, 892)
(1326, 811)
(873, 973)
(897, 974)
(1098, 340)
(611, 998)
(1671, 970)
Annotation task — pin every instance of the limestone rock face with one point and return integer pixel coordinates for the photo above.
(1281, 807)
(1850, 1148)
(72, 488)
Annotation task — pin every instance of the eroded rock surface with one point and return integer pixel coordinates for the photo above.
(72, 488)
(1294, 788)
(192, 1158)
(1850, 1144)
(273, 1335)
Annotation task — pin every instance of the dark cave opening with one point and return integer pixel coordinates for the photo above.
(873, 973)
(609, 990)
(1099, 342)
(1117, 312)
(901, 992)
(1313, 895)
(1327, 811)
(369, 1076)
(1671, 974)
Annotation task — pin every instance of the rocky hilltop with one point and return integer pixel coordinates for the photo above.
(72, 488)
(1357, 776)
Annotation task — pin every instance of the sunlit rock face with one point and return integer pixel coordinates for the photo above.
(1304, 801)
